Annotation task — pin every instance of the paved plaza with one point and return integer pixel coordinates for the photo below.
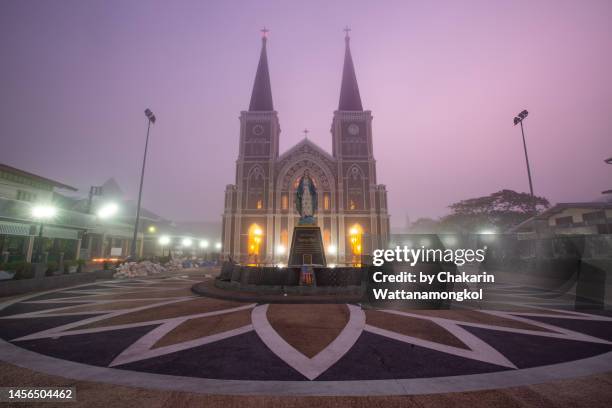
(156, 334)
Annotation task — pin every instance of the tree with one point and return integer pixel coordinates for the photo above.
(424, 226)
(498, 211)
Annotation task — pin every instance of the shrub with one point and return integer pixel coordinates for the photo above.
(68, 265)
(23, 270)
(52, 267)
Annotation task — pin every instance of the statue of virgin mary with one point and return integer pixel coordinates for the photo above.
(306, 199)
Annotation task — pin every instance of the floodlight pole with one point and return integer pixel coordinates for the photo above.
(151, 118)
(527, 161)
(519, 119)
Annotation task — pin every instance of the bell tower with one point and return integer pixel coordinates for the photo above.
(351, 126)
(253, 196)
(359, 197)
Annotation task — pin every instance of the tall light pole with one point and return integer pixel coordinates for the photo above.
(519, 119)
(151, 119)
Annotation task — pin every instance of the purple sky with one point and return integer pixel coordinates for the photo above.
(443, 79)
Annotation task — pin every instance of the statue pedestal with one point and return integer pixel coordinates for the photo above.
(307, 246)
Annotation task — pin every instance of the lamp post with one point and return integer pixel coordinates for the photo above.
(163, 241)
(204, 246)
(150, 119)
(42, 213)
(518, 119)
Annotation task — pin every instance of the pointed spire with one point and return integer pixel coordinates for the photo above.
(350, 100)
(261, 97)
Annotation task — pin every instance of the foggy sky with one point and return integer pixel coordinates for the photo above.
(443, 80)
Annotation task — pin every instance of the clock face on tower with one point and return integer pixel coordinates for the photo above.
(258, 130)
(353, 129)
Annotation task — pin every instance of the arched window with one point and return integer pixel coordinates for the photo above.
(255, 188)
(326, 203)
(355, 185)
(284, 202)
(326, 238)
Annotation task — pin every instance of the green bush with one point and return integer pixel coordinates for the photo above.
(68, 265)
(23, 270)
(52, 267)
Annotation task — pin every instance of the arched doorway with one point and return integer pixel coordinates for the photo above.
(355, 240)
(255, 238)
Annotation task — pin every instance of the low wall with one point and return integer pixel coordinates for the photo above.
(286, 280)
(21, 286)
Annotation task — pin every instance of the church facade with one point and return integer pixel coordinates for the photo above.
(260, 213)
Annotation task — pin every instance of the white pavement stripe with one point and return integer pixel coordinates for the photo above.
(310, 368)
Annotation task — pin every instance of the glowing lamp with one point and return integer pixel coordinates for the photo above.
(107, 210)
(44, 212)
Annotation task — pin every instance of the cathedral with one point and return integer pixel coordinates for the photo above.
(260, 212)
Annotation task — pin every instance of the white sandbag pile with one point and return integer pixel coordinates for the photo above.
(174, 265)
(136, 269)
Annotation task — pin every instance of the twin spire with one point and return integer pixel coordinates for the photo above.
(261, 97)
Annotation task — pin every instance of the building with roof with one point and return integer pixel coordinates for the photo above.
(583, 218)
(20, 191)
(352, 206)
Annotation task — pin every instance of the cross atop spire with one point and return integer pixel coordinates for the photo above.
(350, 99)
(306, 132)
(347, 30)
(261, 97)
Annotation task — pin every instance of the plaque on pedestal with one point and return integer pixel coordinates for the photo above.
(307, 246)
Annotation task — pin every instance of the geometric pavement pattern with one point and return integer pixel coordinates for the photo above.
(158, 326)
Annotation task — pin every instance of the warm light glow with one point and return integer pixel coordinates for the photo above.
(487, 232)
(164, 240)
(254, 240)
(204, 244)
(355, 234)
(280, 265)
(44, 212)
(218, 245)
(280, 249)
(101, 260)
(332, 249)
(332, 265)
(152, 229)
(187, 242)
(107, 210)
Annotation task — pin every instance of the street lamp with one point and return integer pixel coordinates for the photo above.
(186, 242)
(42, 213)
(107, 211)
(204, 244)
(150, 119)
(163, 241)
(519, 119)
(218, 245)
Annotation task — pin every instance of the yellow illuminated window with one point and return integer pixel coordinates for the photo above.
(284, 202)
(259, 204)
(351, 205)
(255, 239)
(354, 235)
(326, 202)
